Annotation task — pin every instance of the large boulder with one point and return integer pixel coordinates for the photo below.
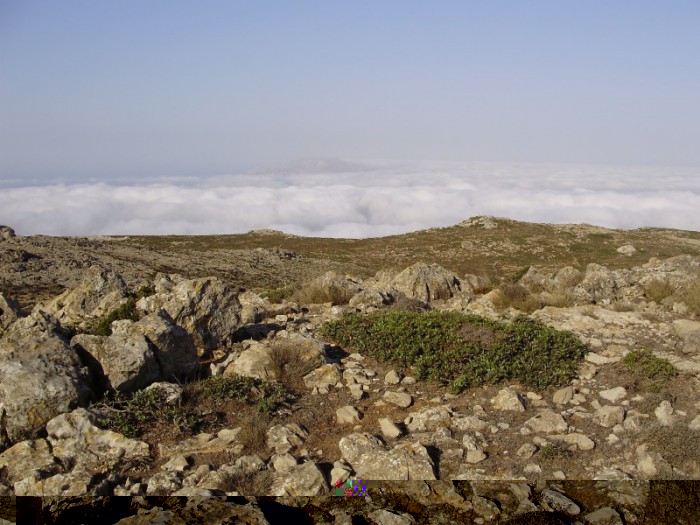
(206, 307)
(599, 286)
(370, 459)
(126, 359)
(173, 347)
(98, 293)
(41, 376)
(6, 233)
(255, 361)
(426, 282)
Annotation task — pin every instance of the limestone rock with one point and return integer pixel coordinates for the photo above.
(301, 480)
(284, 438)
(579, 441)
(324, 376)
(387, 517)
(6, 233)
(255, 361)
(9, 312)
(207, 308)
(370, 459)
(171, 344)
(347, 415)
(614, 395)
(428, 419)
(608, 416)
(99, 292)
(41, 376)
(547, 421)
(563, 395)
(557, 501)
(225, 439)
(664, 414)
(508, 399)
(627, 249)
(426, 282)
(24, 457)
(400, 399)
(392, 378)
(688, 331)
(604, 516)
(389, 428)
(126, 360)
(253, 307)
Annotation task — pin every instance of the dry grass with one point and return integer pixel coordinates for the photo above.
(257, 483)
(314, 293)
(658, 289)
(290, 364)
(518, 297)
(691, 296)
(253, 436)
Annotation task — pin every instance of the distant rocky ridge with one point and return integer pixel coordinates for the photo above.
(480, 455)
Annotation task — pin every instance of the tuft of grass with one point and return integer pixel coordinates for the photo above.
(125, 311)
(290, 364)
(658, 289)
(552, 451)
(277, 295)
(135, 415)
(246, 483)
(315, 293)
(691, 296)
(644, 365)
(463, 350)
(517, 296)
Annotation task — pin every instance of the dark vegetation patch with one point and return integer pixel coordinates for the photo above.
(138, 414)
(463, 351)
(125, 311)
(652, 372)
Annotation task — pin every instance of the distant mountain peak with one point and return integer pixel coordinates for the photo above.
(315, 166)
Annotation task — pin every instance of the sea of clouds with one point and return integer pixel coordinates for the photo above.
(380, 199)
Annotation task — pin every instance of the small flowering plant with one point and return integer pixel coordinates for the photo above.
(351, 487)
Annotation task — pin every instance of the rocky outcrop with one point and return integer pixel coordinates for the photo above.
(41, 376)
(6, 233)
(99, 292)
(425, 282)
(9, 312)
(207, 308)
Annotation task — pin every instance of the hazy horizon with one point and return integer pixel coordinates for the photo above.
(102, 102)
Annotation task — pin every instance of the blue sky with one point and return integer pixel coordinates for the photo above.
(128, 89)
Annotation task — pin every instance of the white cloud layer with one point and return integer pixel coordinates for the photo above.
(389, 199)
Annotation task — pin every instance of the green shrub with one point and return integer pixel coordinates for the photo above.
(268, 396)
(645, 365)
(463, 350)
(125, 311)
(277, 295)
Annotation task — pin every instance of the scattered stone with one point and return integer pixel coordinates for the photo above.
(347, 415)
(400, 399)
(559, 502)
(626, 249)
(608, 416)
(508, 399)
(563, 395)
(547, 421)
(664, 414)
(604, 516)
(389, 429)
(392, 378)
(614, 395)
(526, 451)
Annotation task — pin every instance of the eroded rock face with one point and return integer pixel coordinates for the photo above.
(9, 312)
(127, 360)
(370, 459)
(426, 282)
(99, 292)
(6, 233)
(207, 308)
(41, 376)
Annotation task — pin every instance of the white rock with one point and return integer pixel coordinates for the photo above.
(400, 399)
(389, 429)
(664, 413)
(508, 399)
(347, 415)
(557, 501)
(392, 378)
(614, 395)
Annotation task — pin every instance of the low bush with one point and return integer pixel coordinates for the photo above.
(691, 296)
(517, 296)
(315, 293)
(277, 295)
(644, 365)
(463, 350)
(658, 289)
(125, 311)
(136, 414)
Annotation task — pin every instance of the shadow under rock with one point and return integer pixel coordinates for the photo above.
(256, 331)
